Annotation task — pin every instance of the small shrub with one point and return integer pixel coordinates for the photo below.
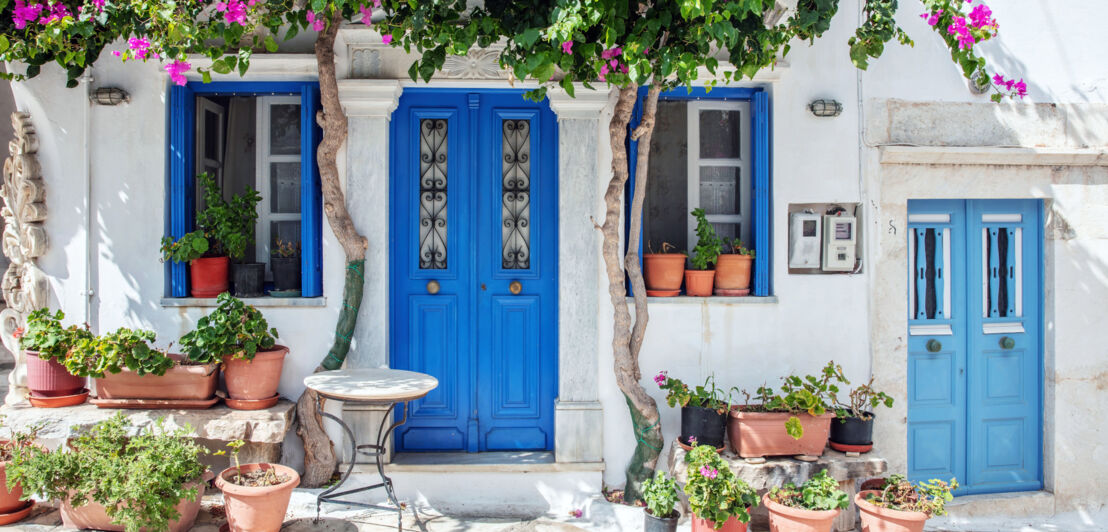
(715, 493)
(860, 400)
(821, 492)
(46, 335)
(123, 348)
(929, 497)
(233, 329)
(708, 245)
(660, 495)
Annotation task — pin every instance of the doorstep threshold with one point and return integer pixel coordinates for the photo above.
(492, 462)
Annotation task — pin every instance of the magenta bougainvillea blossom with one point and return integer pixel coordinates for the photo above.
(23, 13)
(1013, 87)
(177, 71)
(965, 23)
(234, 11)
(932, 18)
(386, 38)
(140, 48)
(567, 47)
(316, 21)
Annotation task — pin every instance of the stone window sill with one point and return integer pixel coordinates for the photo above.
(714, 300)
(268, 302)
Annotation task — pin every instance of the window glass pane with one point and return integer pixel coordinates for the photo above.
(727, 231)
(719, 134)
(516, 195)
(284, 129)
(286, 231)
(211, 136)
(719, 191)
(666, 209)
(432, 194)
(284, 187)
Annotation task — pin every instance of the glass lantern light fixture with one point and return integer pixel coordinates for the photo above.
(109, 96)
(825, 108)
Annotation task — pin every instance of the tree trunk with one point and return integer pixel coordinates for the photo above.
(319, 453)
(627, 339)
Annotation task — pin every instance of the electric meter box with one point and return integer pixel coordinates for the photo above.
(804, 240)
(840, 243)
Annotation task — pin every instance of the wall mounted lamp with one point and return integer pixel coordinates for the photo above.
(109, 96)
(825, 108)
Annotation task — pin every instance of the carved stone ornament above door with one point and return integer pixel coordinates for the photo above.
(378, 61)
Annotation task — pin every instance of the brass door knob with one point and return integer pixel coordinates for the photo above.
(515, 288)
(934, 346)
(433, 287)
(1007, 342)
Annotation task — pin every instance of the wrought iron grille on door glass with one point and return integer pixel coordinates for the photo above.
(516, 195)
(432, 194)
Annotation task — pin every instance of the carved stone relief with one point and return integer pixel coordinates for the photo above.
(375, 61)
(477, 64)
(24, 285)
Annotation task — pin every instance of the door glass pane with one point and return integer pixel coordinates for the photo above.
(666, 209)
(284, 188)
(284, 129)
(516, 195)
(285, 231)
(211, 136)
(432, 194)
(719, 191)
(719, 134)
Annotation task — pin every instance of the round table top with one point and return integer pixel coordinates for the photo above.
(371, 384)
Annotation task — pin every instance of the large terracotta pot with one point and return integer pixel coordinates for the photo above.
(209, 276)
(756, 434)
(255, 379)
(703, 525)
(256, 509)
(9, 500)
(663, 273)
(179, 382)
(876, 519)
(93, 516)
(698, 283)
(788, 519)
(48, 378)
(733, 275)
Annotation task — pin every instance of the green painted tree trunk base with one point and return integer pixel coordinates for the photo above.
(348, 316)
(648, 447)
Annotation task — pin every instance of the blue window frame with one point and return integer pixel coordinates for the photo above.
(761, 189)
(181, 172)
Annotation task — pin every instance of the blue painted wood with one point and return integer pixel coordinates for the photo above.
(763, 197)
(311, 197)
(496, 364)
(180, 184)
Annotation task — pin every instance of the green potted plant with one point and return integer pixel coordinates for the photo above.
(47, 344)
(224, 230)
(700, 278)
(733, 269)
(718, 499)
(238, 335)
(794, 421)
(900, 506)
(256, 496)
(812, 507)
(660, 496)
(852, 430)
(114, 478)
(129, 372)
(12, 506)
(703, 410)
(663, 272)
(284, 262)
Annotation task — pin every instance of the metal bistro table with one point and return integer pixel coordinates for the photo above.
(379, 386)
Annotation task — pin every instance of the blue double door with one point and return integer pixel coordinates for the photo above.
(975, 367)
(473, 268)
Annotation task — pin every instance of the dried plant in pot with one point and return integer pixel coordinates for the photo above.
(733, 269)
(48, 344)
(900, 506)
(718, 499)
(663, 272)
(660, 496)
(256, 496)
(793, 421)
(810, 507)
(703, 410)
(852, 429)
(284, 263)
(700, 278)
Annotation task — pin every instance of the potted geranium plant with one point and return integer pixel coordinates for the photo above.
(224, 230)
(663, 272)
(812, 507)
(852, 430)
(12, 506)
(903, 507)
(794, 421)
(238, 335)
(699, 279)
(115, 479)
(660, 496)
(703, 410)
(47, 344)
(733, 269)
(284, 262)
(718, 499)
(256, 496)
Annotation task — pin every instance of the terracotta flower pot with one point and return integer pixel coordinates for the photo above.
(663, 273)
(733, 275)
(251, 509)
(9, 499)
(698, 283)
(209, 276)
(703, 525)
(179, 382)
(93, 516)
(755, 434)
(876, 519)
(788, 519)
(257, 378)
(48, 378)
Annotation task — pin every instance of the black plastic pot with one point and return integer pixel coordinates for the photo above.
(705, 424)
(852, 430)
(248, 279)
(286, 272)
(659, 524)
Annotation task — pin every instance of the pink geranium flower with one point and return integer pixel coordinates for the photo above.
(660, 378)
(708, 472)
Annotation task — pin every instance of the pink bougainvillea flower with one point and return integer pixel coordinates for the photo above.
(23, 13)
(708, 472)
(660, 378)
(1021, 88)
(54, 12)
(576, 513)
(958, 27)
(140, 47)
(117, 53)
(932, 18)
(604, 72)
(567, 47)
(611, 52)
(177, 71)
(998, 79)
(234, 11)
(367, 15)
(982, 17)
(316, 21)
(386, 38)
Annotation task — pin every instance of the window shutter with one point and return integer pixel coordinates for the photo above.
(763, 192)
(180, 187)
(311, 203)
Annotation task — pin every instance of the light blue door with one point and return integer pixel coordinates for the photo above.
(473, 268)
(974, 343)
